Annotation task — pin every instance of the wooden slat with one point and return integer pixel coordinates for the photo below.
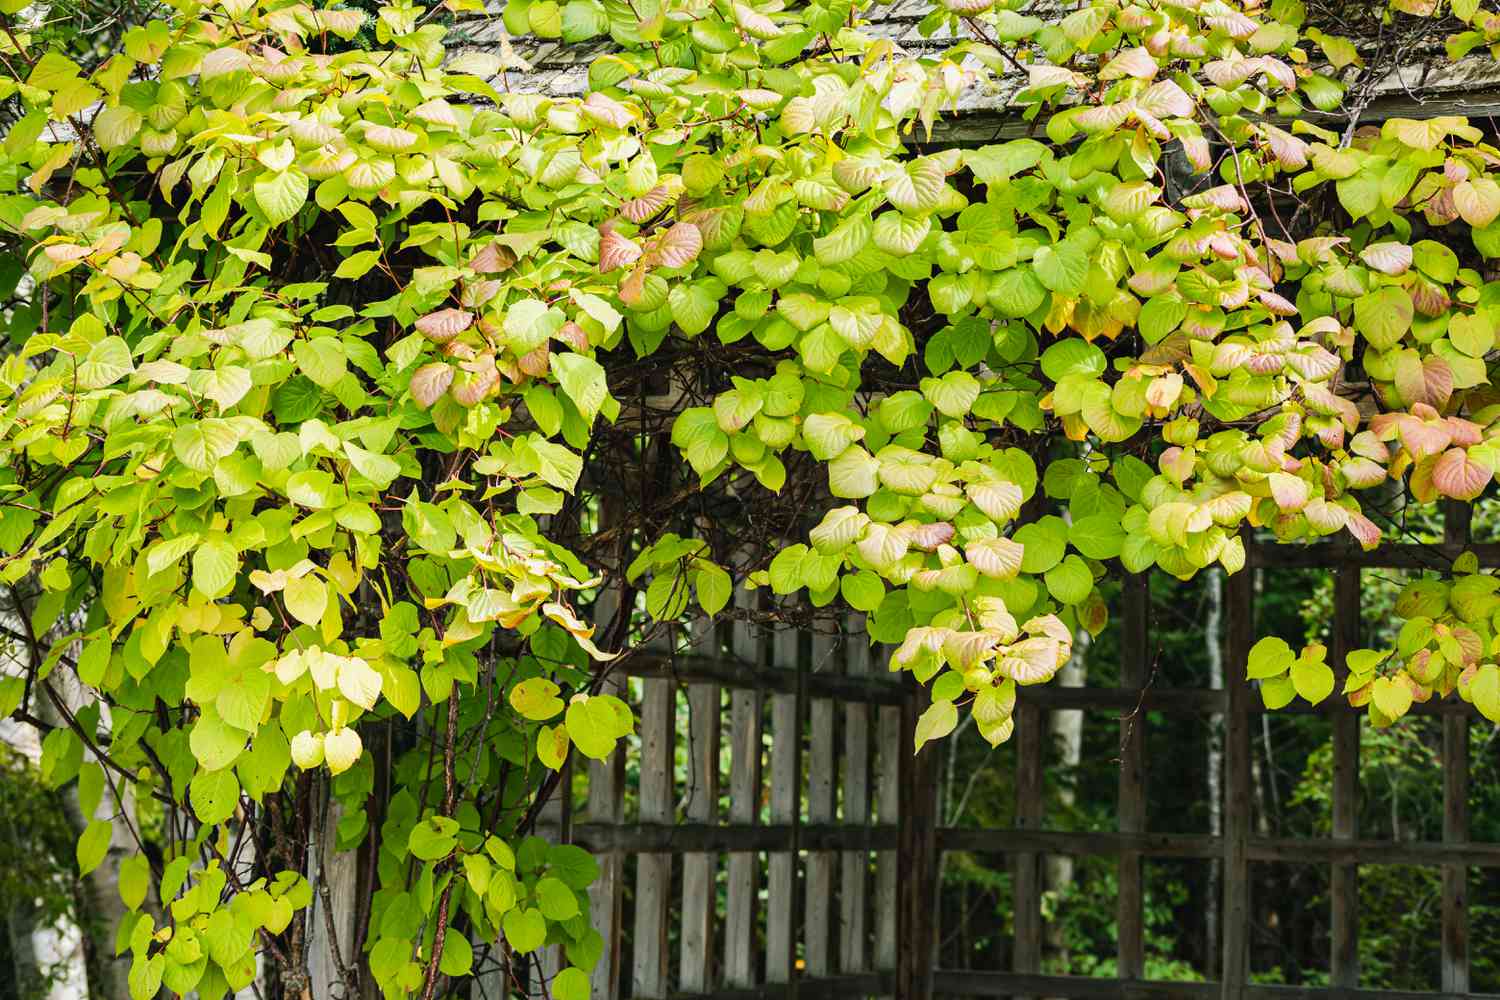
(822, 774)
(1455, 953)
(973, 983)
(855, 875)
(700, 869)
(606, 804)
(744, 807)
(786, 788)
(1134, 673)
(888, 757)
(1326, 555)
(740, 674)
(1239, 595)
(1344, 880)
(1025, 865)
(829, 988)
(733, 838)
(653, 877)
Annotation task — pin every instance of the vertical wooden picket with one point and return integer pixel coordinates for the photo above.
(653, 876)
(700, 870)
(855, 874)
(1134, 674)
(822, 769)
(889, 752)
(781, 887)
(744, 806)
(1455, 957)
(1240, 615)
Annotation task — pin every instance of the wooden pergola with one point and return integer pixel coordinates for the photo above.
(836, 895)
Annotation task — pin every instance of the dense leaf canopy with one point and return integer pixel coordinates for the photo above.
(346, 375)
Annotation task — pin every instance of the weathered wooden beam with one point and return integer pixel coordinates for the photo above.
(700, 869)
(1332, 555)
(854, 877)
(975, 983)
(743, 675)
(732, 838)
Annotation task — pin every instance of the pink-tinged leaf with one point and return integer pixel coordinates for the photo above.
(1230, 73)
(1265, 363)
(1102, 117)
(605, 110)
(1165, 99)
(1387, 258)
(1423, 437)
(493, 259)
(574, 336)
(1369, 445)
(1424, 380)
(1278, 305)
(1290, 492)
(1284, 75)
(429, 382)
(996, 557)
(633, 288)
(1325, 517)
(1136, 63)
(1313, 362)
(1458, 476)
(1429, 299)
(1464, 433)
(967, 649)
(1196, 149)
(1361, 473)
(1225, 198)
(1231, 23)
(999, 501)
(928, 537)
(444, 324)
(640, 209)
(478, 379)
(64, 253)
(534, 362)
(616, 251)
(1364, 530)
(1031, 661)
(920, 644)
(1290, 151)
(680, 245)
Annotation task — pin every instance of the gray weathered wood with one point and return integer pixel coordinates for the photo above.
(653, 876)
(700, 868)
(1455, 952)
(822, 774)
(1344, 881)
(1025, 866)
(916, 932)
(744, 807)
(855, 875)
(1134, 675)
(606, 804)
(786, 787)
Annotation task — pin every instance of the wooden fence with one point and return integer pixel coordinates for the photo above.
(819, 880)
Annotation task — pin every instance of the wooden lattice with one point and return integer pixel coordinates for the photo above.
(835, 896)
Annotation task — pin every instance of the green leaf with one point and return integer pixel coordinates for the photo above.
(1270, 657)
(458, 955)
(281, 195)
(1098, 536)
(216, 563)
(536, 698)
(214, 795)
(134, 881)
(583, 379)
(938, 721)
(1312, 678)
(555, 899)
(713, 585)
(525, 929)
(1383, 316)
(93, 845)
(1070, 581)
(433, 838)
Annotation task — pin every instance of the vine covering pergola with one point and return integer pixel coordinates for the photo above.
(406, 419)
